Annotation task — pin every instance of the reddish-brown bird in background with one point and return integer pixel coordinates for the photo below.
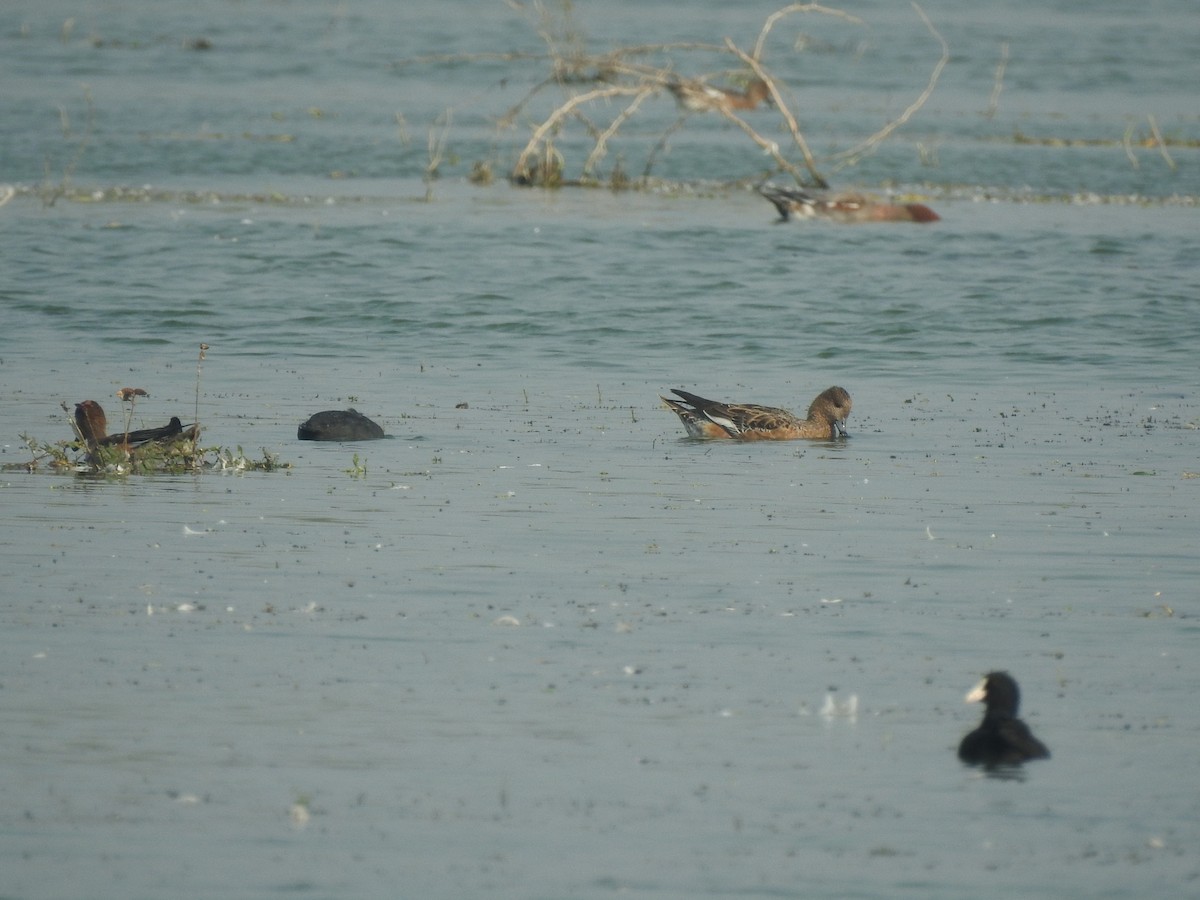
(844, 207)
(696, 96)
(93, 428)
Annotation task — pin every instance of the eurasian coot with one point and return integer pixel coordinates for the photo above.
(1001, 738)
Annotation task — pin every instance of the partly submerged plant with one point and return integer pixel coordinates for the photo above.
(172, 449)
(175, 457)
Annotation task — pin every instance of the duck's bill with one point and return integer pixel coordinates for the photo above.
(977, 693)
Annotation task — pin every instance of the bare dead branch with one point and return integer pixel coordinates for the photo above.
(998, 81)
(602, 139)
(643, 71)
(854, 154)
(1127, 143)
(539, 133)
(780, 14)
(1158, 139)
(788, 118)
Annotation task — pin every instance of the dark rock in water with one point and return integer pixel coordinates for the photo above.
(339, 425)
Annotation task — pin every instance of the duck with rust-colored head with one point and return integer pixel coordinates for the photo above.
(696, 96)
(846, 207)
(1001, 738)
(748, 422)
(93, 424)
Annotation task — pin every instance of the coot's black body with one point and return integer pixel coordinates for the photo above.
(1001, 738)
(339, 425)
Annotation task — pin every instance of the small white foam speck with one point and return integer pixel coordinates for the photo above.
(299, 815)
(834, 710)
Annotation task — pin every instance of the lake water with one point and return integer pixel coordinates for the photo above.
(537, 643)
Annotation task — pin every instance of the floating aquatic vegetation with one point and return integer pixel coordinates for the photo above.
(173, 449)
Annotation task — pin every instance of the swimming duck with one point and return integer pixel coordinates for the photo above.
(93, 424)
(696, 96)
(748, 422)
(844, 207)
(1001, 738)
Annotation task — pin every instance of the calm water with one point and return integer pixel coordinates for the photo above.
(543, 646)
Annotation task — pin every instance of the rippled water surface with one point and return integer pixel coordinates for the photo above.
(537, 643)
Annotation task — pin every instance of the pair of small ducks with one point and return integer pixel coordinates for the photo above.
(694, 96)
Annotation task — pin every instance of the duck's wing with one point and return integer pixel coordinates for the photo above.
(787, 201)
(738, 418)
(748, 417)
(173, 430)
(1020, 740)
(702, 417)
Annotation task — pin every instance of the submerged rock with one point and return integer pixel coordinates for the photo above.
(339, 425)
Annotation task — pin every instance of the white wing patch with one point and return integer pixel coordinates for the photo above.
(728, 424)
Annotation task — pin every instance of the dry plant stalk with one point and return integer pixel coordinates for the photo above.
(196, 414)
(1127, 143)
(437, 150)
(854, 154)
(50, 192)
(129, 395)
(602, 139)
(521, 169)
(779, 14)
(1158, 139)
(770, 146)
(998, 82)
(621, 74)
